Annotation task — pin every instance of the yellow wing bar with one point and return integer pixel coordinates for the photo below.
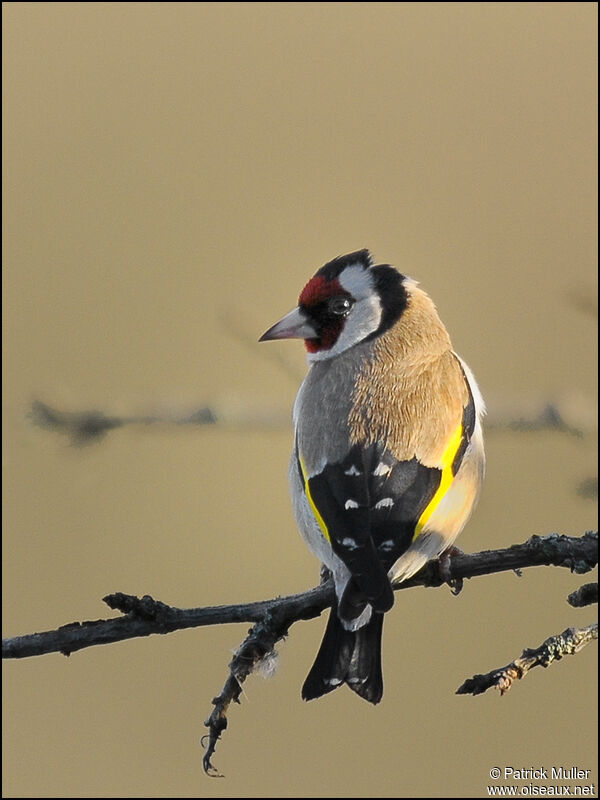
(311, 502)
(445, 481)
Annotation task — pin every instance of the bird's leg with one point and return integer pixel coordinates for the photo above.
(325, 574)
(444, 564)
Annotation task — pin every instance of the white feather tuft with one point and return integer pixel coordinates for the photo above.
(268, 665)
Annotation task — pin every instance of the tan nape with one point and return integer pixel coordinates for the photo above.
(411, 394)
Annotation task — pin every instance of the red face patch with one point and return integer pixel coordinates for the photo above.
(313, 298)
(319, 289)
(328, 338)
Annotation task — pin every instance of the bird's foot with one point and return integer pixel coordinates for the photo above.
(445, 563)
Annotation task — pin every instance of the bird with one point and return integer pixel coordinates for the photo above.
(388, 457)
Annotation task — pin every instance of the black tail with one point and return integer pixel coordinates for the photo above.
(352, 657)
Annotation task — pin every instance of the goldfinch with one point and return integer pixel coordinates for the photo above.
(388, 455)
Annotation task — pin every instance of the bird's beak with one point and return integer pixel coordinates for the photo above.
(293, 326)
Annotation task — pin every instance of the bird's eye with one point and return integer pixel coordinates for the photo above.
(340, 306)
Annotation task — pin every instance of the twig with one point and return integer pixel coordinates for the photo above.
(588, 488)
(258, 646)
(90, 426)
(584, 596)
(85, 427)
(567, 643)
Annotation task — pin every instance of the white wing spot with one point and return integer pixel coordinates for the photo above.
(352, 471)
(349, 543)
(385, 503)
(387, 545)
(382, 469)
(350, 504)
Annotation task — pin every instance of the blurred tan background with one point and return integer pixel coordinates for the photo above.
(173, 174)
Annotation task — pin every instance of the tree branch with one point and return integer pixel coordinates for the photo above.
(147, 616)
(567, 643)
(273, 618)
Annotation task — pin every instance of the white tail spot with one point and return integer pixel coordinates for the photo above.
(385, 503)
(352, 471)
(382, 469)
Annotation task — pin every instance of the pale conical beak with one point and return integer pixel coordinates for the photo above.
(293, 326)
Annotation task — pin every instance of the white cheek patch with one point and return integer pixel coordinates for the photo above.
(364, 319)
